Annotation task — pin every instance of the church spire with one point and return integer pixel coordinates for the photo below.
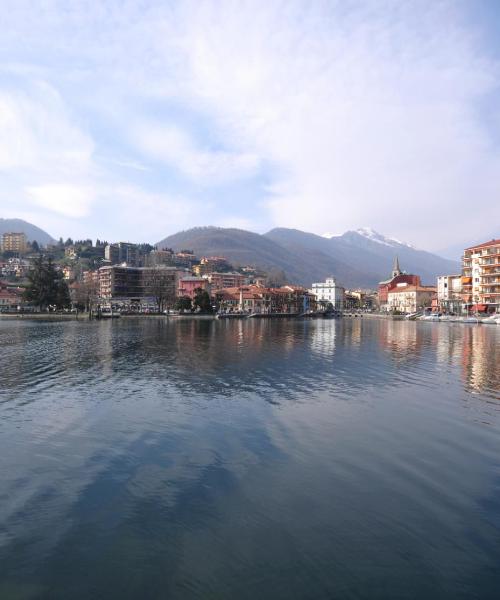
(395, 268)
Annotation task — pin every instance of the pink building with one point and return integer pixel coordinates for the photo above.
(188, 285)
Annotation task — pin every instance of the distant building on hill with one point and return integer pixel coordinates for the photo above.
(123, 252)
(212, 264)
(218, 281)
(14, 242)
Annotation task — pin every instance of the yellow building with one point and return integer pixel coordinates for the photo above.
(14, 242)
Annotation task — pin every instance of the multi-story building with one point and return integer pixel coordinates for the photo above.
(407, 298)
(449, 293)
(187, 286)
(329, 292)
(397, 276)
(481, 277)
(219, 281)
(138, 284)
(14, 242)
(123, 252)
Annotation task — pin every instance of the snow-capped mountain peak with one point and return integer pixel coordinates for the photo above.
(329, 235)
(374, 236)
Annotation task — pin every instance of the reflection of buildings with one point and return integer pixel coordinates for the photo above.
(403, 339)
(481, 358)
(324, 332)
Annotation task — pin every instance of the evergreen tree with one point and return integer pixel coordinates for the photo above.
(46, 285)
(202, 300)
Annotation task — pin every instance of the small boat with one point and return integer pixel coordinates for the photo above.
(491, 320)
(475, 320)
(108, 313)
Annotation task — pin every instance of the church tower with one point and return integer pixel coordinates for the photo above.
(395, 268)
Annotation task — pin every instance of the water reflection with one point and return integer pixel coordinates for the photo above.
(272, 459)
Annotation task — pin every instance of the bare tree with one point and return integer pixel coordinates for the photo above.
(161, 284)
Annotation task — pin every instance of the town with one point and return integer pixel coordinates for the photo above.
(104, 279)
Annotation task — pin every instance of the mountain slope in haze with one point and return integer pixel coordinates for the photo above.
(247, 248)
(357, 259)
(33, 233)
(367, 251)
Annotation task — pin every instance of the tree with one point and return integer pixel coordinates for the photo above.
(276, 278)
(34, 246)
(202, 301)
(183, 303)
(46, 285)
(162, 287)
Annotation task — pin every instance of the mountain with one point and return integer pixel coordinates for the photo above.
(357, 258)
(367, 251)
(32, 231)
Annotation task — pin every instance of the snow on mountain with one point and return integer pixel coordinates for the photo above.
(374, 236)
(329, 236)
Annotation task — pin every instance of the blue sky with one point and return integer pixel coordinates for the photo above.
(132, 120)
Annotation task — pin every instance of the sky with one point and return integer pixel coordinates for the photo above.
(133, 120)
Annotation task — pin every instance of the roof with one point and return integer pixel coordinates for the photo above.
(413, 288)
(485, 244)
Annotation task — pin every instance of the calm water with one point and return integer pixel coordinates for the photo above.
(259, 459)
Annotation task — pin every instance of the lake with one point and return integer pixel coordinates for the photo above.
(257, 459)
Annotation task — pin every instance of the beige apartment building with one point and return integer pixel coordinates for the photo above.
(14, 242)
(481, 277)
(407, 298)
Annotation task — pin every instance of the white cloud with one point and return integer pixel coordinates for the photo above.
(64, 199)
(175, 147)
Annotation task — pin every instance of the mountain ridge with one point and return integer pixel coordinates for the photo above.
(355, 259)
(33, 233)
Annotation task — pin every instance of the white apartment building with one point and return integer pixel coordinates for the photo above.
(481, 276)
(449, 293)
(329, 291)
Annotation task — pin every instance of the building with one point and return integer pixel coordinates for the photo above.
(329, 292)
(481, 277)
(187, 286)
(212, 264)
(9, 298)
(141, 285)
(219, 281)
(407, 298)
(397, 276)
(449, 293)
(14, 242)
(123, 252)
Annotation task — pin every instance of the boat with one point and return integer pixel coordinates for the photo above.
(475, 320)
(108, 313)
(491, 320)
